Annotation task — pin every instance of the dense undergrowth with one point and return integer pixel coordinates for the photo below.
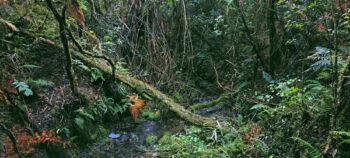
(274, 74)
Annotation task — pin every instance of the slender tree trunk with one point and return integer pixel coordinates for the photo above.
(62, 27)
(274, 55)
(251, 39)
(93, 18)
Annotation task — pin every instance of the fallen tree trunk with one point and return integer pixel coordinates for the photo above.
(136, 84)
(143, 87)
(214, 102)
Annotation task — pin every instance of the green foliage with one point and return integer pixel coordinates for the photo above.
(106, 108)
(323, 58)
(183, 146)
(151, 115)
(79, 122)
(151, 139)
(223, 144)
(84, 113)
(296, 107)
(82, 4)
(340, 133)
(96, 74)
(23, 88)
(40, 83)
(310, 151)
(85, 124)
(29, 66)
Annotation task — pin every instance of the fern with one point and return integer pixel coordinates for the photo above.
(309, 148)
(121, 89)
(23, 88)
(96, 74)
(340, 133)
(322, 58)
(40, 83)
(84, 113)
(120, 68)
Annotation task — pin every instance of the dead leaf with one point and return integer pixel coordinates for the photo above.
(136, 106)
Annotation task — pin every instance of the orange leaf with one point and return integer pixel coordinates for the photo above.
(137, 104)
(134, 112)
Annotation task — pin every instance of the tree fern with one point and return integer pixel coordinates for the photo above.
(322, 58)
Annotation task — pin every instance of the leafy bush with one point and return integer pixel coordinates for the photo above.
(195, 142)
(299, 108)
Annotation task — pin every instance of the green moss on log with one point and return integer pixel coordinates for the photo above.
(214, 102)
(143, 87)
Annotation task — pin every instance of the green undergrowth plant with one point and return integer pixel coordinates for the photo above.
(23, 88)
(102, 111)
(289, 110)
(343, 141)
(245, 141)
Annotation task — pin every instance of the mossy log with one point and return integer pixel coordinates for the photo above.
(214, 102)
(136, 84)
(143, 87)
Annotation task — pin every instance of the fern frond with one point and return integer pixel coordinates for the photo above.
(322, 58)
(311, 149)
(340, 133)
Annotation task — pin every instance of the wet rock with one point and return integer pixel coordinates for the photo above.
(147, 128)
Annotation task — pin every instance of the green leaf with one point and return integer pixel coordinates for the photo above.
(83, 113)
(340, 133)
(41, 83)
(79, 122)
(23, 88)
(29, 66)
(96, 74)
(84, 67)
(259, 106)
(268, 78)
(28, 92)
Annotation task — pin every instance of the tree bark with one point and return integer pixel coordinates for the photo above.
(274, 55)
